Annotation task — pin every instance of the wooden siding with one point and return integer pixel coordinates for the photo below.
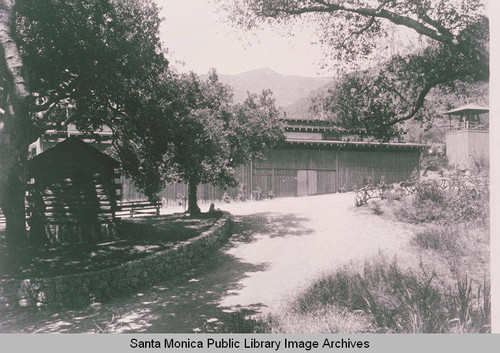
(206, 192)
(291, 158)
(72, 194)
(457, 149)
(327, 182)
(308, 171)
(479, 149)
(304, 135)
(465, 147)
(395, 166)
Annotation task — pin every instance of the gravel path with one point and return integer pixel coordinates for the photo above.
(278, 247)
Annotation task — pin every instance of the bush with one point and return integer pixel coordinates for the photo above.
(257, 194)
(242, 193)
(226, 198)
(402, 301)
(376, 208)
(434, 163)
(466, 199)
(439, 238)
(241, 322)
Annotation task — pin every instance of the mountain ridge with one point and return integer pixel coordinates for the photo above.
(287, 89)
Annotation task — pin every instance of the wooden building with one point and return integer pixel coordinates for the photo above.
(309, 167)
(467, 137)
(72, 194)
(316, 158)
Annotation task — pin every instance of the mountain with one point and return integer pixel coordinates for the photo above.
(287, 89)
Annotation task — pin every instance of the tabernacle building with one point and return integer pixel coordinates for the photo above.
(315, 158)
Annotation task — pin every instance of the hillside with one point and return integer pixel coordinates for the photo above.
(294, 95)
(287, 89)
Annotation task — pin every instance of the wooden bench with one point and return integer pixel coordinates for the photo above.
(137, 208)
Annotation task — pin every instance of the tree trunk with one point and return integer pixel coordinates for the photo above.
(13, 208)
(193, 208)
(15, 129)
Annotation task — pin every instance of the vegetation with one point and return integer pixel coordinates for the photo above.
(443, 288)
(135, 238)
(454, 48)
(201, 136)
(465, 200)
(99, 57)
(102, 61)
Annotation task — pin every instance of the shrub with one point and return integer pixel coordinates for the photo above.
(439, 238)
(257, 194)
(402, 301)
(377, 209)
(226, 198)
(241, 322)
(242, 193)
(466, 199)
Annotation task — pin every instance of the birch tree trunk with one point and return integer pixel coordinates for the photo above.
(15, 126)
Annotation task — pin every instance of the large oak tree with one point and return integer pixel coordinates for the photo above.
(101, 57)
(455, 48)
(197, 135)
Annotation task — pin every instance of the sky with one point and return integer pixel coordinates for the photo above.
(194, 34)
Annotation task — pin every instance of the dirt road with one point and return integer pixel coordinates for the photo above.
(278, 247)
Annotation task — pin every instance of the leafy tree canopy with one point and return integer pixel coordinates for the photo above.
(201, 137)
(99, 57)
(455, 49)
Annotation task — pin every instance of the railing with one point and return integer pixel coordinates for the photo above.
(134, 208)
(466, 125)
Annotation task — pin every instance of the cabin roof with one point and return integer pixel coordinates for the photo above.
(70, 146)
(469, 108)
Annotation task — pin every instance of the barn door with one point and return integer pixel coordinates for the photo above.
(301, 182)
(312, 185)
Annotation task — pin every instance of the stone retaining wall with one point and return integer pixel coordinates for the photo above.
(85, 288)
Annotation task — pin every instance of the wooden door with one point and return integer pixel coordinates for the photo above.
(301, 182)
(312, 185)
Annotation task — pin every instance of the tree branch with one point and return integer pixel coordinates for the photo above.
(379, 12)
(419, 103)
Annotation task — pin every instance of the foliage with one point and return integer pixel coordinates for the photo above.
(465, 200)
(98, 56)
(98, 59)
(257, 194)
(226, 198)
(196, 134)
(402, 300)
(434, 162)
(242, 193)
(376, 209)
(240, 322)
(439, 238)
(453, 47)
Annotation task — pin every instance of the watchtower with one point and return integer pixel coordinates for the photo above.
(467, 137)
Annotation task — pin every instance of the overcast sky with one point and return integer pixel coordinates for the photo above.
(192, 30)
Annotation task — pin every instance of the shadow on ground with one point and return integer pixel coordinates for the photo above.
(187, 303)
(270, 224)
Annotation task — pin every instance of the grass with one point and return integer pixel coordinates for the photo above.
(448, 291)
(136, 238)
